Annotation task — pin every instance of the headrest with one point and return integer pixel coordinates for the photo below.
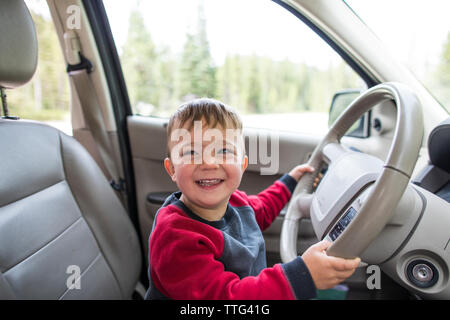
(18, 44)
(439, 145)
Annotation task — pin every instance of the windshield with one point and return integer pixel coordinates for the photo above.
(417, 33)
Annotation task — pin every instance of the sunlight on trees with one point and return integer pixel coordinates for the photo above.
(252, 84)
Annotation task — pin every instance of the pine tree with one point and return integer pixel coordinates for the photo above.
(140, 63)
(197, 73)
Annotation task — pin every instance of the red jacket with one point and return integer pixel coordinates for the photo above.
(192, 258)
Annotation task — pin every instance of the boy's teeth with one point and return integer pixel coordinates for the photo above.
(208, 182)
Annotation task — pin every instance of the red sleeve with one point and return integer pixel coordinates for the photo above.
(268, 203)
(184, 257)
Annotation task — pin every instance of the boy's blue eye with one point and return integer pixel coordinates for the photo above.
(225, 150)
(189, 153)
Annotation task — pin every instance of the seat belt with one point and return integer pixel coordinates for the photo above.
(80, 75)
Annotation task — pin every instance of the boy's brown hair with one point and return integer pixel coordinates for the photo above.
(213, 112)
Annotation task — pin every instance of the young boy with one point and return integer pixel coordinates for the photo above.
(206, 241)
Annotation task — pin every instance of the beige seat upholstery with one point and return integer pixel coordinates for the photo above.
(58, 214)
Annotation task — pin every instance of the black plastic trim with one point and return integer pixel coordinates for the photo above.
(84, 64)
(158, 198)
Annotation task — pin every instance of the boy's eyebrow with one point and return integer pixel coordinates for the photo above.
(222, 142)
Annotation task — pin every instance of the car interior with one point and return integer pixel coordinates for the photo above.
(89, 200)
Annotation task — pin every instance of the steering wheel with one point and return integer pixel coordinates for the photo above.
(358, 194)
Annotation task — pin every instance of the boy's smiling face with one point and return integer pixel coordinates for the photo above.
(207, 166)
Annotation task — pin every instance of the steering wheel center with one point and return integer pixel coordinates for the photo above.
(345, 180)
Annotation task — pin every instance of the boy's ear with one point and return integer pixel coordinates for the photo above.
(168, 165)
(244, 163)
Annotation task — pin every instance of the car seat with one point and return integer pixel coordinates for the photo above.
(64, 234)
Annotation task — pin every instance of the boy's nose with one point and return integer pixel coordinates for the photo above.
(209, 161)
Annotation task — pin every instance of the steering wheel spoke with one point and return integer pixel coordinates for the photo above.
(333, 151)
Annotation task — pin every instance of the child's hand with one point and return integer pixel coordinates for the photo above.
(327, 271)
(299, 170)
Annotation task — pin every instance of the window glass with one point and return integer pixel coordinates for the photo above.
(417, 33)
(253, 55)
(46, 97)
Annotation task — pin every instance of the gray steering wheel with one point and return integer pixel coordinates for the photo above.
(351, 173)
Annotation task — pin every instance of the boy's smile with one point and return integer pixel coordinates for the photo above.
(208, 184)
(207, 169)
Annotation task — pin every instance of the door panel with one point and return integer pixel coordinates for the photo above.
(148, 146)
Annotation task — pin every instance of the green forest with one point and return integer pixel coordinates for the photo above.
(159, 80)
(252, 84)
